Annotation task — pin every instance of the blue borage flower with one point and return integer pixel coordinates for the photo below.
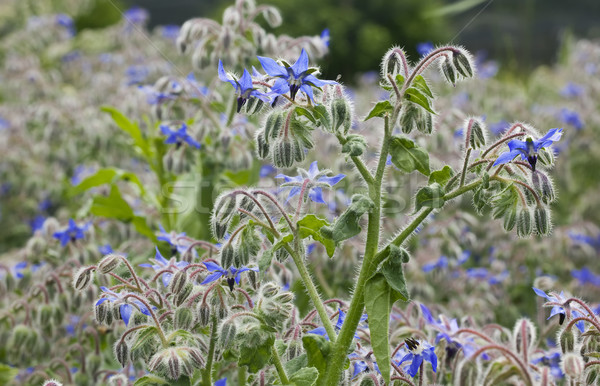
(529, 148)
(316, 180)
(72, 233)
(361, 361)
(572, 90)
(179, 136)
(232, 274)
(292, 79)
(243, 87)
(418, 351)
(447, 329)
(551, 360)
(178, 241)
(441, 263)
(136, 15)
(125, 309)
(560, 307)
(221, 382)
(338, 325)
(585, 276)
(570, 117)
(161, 264)
(425, 48)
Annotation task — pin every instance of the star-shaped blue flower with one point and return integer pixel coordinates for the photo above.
(338, 325)
(72, 233)
(232, 274)
(161, 263)
(417, 352)
(316, 181)
(584, 275)
(243, 87)
(178, 137)
(559, 307)
(297, 77)
(125, 309)
(529, 148)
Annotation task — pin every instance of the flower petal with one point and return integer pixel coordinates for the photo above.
(507, 157)
(313, 170)
(316, 195)
(332, 180)
(212, 277)
(245, 82)
(213, 267)
(272, 68)
(125, 311)
(301, 64)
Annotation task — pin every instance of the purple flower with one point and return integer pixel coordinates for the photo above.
(221, 382)
(361, 361)
(325, 36)
(67, 22)
(570, 117)
(178, 137)
(499, 127)
(553, 361)
(315, 180)
(425, 48)
(72, 233)
(160, 263)
(529, 148)
(297, 77)
(418, 351)
(243, 87)
(585, 276)
(560, 307)
(265, 170)
(441, 263)
(136, 74)
(154, 97)
(136, 15)
(105, 249)
(232, 274)
(572, 90)
(338, 325)
(125, 309)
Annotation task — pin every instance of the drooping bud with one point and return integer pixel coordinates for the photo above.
(425, 123)
(284, 153)
(109, 263)
(228, 332)
(593, 373)
(542, 222)
(573, 365)
(462, 63)
(183, 319)
(52, 382)
(567, 340)
(448, 70)
(101, 311)
(173, 365)
(203, 314)
(82, 278)
(477, 134)
(122, 352)
(294, 349)
(178, 282)
(272, 16)
(524, 336)
(253, 105)
(392, 62)
(284, 297)
(409, 117)
(543, 185)
(524, 226)
(546, 156)
(46, 313)
(355, 145)
(510, 218)
(253, 279)
(262, 146)
(225, 209)
(227, 253)
(183, 294)
(341, 115)
(273, 125)
(269, 289)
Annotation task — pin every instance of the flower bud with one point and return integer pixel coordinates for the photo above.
(262, 146)
(183, 294)
(284, 153)
(227, 257)
(524, 335)
(122, 352)
(178, 282)
(367, 381)
(409, 117)
(477, 134)
(183, 319)
(270, 289)
(299, 152)
(355, 145)
(228, 332)
(448, 71)
(93, 362)
(592, 375)
(281, 254)
(52, 382)
(341, 115)
(524, 227)
(462, 62)
(546, 156)
(203, 314)
(273, 125)
(573, 365)
(543, 185)
(225, 209)
(82, 279)
(284, 297)
(567, 340)
(294, 349)
(510, 218)
(20, 335)
(101, 311)
(109, 263)
(46, 313)
(253, 106)
(392, 62)
(542, 223)
(272, 16)
(173, 366)
(425, 122)
(253, 279)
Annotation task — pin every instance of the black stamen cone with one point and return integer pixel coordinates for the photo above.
(240, 103)
(231, 283)
(561, 319)
(293, 91)
(411, 343)
(532, 160)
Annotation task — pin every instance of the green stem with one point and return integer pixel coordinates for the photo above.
(207, 375)
(312, 292)
(242, 376)
(464, 170)
(279, 366)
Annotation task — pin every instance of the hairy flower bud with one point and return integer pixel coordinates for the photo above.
(183, 294)
(82, 278)
(284, 153)
(109, 263)
(567, 340)
(409, 117)
(270, 289)
(101, 311)
(203, 314)
(262, 146)
(463, 63)
(392, 63)
(183, 319)
(228, 332)
(510, 218)
(178, 282)
(225, 209)
(542, 222)
(573, 365)
(543, 186)
(46, 313)
(593, 373)
(341, 115)
(524, 226)
(122, 352)
(294, 349)
(448, 71)
(355, 145)
(273, 125)
(272, 16)
(477, 133)
(227, 257)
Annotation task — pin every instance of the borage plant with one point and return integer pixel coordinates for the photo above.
(223, 313)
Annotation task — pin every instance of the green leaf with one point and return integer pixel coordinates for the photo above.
(107, 176)
(416, 96)
(151, 380)
(317, 350)
(320, 112)
(242, 177)
(7, 374)
(420, 83)
(305, 377)
(264, 262)
(130, 128)
(257, 354)
(295, 364)
(142, 227)
(311, 225)
(441, 176)
(380, 109)
(399, 81)
(144, 336)
(408, 157)
(301, 111)
(112, 206)
(284, 240)
(379, 298)
(431, 196)
(347, 225)
(394, 273)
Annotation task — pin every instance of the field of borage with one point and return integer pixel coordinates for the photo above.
(198, 205)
